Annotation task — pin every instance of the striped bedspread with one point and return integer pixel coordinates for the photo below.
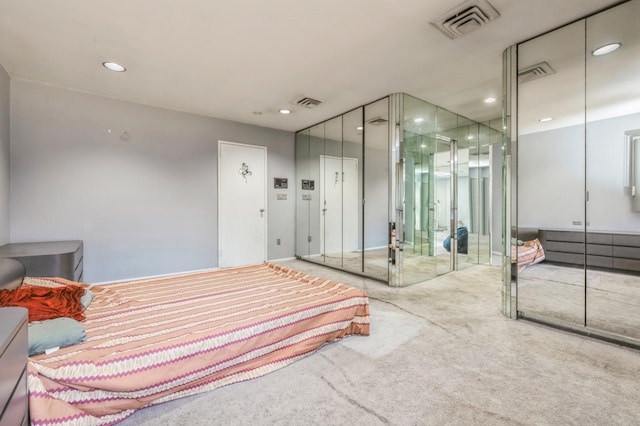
(151, 341)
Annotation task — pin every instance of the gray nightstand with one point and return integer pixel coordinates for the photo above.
(14, 403)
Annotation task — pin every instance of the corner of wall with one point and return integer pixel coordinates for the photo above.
(5, 134)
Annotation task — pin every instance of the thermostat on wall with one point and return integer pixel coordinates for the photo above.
(280, 183)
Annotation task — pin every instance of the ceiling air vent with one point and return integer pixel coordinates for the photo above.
(535, 72)
(306, 102)
(466, 17)
(377, 121)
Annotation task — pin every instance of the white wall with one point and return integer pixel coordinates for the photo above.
(551, 178)
(144, 202)
(4, 155)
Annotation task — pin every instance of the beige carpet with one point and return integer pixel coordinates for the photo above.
(612, 299)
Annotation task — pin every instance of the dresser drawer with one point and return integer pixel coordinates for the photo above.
(13, 358)
(13, 366)
(16, 410)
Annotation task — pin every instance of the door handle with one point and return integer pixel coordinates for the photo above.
(261, 212)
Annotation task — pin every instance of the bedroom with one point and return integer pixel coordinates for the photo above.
(87, 164)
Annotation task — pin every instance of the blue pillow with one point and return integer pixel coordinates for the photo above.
(54, 333)
(86, 298)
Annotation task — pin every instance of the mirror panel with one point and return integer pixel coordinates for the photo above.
(551, 170)
(466, 227)
(303, 193)
(613, 134)
(332, 179)
(352, 182)
(418, 255)
(316, 151)
(376, 189)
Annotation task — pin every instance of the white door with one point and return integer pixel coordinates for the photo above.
(242, 204)
(339, 204)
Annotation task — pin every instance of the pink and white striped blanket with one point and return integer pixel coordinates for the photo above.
(151, 341)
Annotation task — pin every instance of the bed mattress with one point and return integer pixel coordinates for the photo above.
(155, 340)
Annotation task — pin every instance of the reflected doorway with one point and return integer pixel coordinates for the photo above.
(339, 206)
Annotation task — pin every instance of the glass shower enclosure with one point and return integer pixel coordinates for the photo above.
(397, 190)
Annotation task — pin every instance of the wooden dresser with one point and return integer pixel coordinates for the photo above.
(48, 259)
(14, 404)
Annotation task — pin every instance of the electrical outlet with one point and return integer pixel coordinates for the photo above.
(277, 241)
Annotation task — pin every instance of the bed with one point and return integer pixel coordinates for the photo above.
(155, 340)
(526, 253)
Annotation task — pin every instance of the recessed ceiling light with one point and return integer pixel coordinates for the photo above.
(257, 113)
(112, 66)
(418, 120)
(607, 48)
(489, 100)
(542, 120)
(285, 111)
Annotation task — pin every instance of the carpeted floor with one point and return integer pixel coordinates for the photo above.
(439, 353)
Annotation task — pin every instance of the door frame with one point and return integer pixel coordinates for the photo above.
(265, 189)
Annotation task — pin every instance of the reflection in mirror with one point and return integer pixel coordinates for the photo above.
(613, 224)
(466, 226)
(352, 190)
(376, 189)
(316, 151)
(419, 210)
(346, 185)
(330, 189)
(551, 173)
(303, 193)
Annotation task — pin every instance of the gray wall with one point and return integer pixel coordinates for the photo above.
(136, 183)
(4, 155)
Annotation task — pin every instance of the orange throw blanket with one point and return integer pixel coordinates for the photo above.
(46, 302)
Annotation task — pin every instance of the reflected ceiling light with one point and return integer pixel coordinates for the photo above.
(469, 137)
(418, 120)
(284, 111)
(443, 138)
(489, 100)
(112, 66)
(543, 120)
(607, 48)
(423, 145)
(359, 128)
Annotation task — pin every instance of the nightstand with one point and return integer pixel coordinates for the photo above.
(48, 259)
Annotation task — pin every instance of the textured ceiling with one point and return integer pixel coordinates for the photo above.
(230, 59)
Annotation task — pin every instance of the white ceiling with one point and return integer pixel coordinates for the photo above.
(229, 59)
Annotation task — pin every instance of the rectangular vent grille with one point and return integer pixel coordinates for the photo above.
(466, 17)
(306, 102)
(535, 72)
